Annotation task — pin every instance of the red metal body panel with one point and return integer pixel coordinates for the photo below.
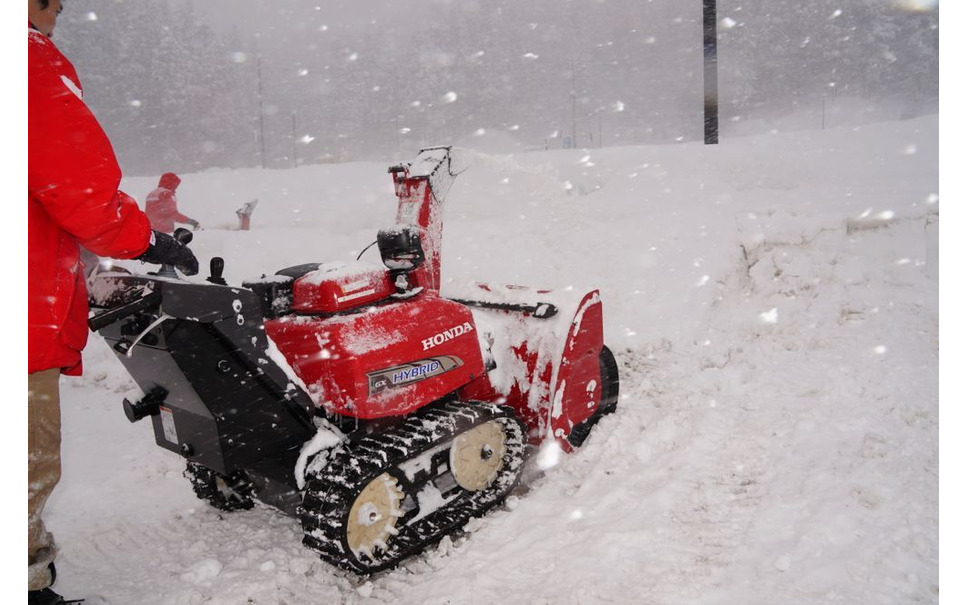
(339, 287)
(385, 361)
(552, 400)
(417, 207)
(578, 386)
(421, 189)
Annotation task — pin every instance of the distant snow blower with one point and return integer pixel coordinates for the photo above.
(355, 397)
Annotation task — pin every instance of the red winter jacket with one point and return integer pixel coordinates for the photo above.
(162, 207)
(72, 199)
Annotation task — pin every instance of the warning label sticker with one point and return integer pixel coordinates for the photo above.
(168, 424)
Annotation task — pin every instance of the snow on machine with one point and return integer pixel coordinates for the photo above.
(355, 397)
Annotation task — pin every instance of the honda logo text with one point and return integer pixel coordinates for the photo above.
(439, 339)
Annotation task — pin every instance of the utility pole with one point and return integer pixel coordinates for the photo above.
(574, 89)
(710, 76)
(574, 107)
(574, 129)
(295, 162)
(262, 127)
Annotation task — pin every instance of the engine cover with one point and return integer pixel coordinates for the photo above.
(382, 361)
(340, 287)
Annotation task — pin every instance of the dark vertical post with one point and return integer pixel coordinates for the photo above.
(710, 68)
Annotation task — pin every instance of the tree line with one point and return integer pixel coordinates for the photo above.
(175, 95)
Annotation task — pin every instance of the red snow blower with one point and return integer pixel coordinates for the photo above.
(356, 397)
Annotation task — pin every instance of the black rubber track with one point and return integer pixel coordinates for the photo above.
(234, 493)
(330, 493)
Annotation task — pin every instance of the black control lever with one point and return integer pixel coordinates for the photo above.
(217, 266)
(184, 237)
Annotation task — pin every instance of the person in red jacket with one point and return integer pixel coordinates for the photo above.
(72, 201)
(161, 206)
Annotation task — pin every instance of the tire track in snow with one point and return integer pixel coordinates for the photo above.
(713, 476)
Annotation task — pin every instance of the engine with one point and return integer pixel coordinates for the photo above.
(383, 359)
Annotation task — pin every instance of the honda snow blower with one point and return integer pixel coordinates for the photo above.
(355, 397)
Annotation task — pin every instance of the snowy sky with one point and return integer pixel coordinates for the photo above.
(274, 18)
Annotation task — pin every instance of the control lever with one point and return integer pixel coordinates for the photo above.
(184, 237)
(217, 266)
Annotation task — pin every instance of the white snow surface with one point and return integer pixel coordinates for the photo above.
(773, 306)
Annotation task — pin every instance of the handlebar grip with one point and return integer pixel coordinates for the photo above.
(107, 318)
(183, 236)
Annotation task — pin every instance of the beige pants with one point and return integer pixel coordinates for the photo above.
(43, 470)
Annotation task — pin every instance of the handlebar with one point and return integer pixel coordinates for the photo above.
(184, 237)
(107, 318)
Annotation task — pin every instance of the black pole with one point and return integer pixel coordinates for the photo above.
(710, 80)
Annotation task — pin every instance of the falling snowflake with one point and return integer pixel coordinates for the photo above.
(549, 455)
(770, 317)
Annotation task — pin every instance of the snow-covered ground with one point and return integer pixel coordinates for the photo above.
(773, 304)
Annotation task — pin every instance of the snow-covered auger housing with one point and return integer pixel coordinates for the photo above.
(357, 397)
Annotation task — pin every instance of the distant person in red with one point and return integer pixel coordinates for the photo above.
(161, 206)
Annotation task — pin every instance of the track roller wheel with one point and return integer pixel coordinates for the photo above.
(373, 516)
(477, 455)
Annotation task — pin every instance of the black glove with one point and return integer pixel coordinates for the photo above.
(167, 251)
(193, 223)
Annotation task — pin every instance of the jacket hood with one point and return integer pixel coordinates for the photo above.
(169, 180)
